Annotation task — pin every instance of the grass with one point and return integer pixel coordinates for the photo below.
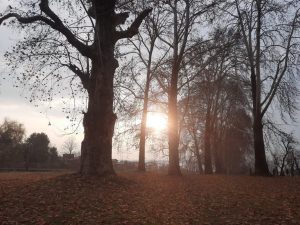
(136, 198)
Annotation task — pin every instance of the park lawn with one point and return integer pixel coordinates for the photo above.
(150, 198)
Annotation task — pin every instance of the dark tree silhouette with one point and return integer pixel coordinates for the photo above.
(99, 118)
(38, 146)
(12, 135)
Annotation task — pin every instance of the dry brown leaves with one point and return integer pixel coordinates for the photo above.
(136, 198)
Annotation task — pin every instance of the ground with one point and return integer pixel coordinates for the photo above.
(137, 198)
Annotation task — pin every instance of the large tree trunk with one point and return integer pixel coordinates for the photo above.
(99, 120)
(174, 168)
(98, 123)
(261, 166)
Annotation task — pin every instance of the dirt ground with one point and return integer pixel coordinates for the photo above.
(149, 198)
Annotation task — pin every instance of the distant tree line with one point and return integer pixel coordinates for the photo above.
(18, 152)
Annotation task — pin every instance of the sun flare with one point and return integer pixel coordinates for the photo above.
(156, 121)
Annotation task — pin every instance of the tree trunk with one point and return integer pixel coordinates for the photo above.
(218, 162)
(99, 120)
(207, 144)
(141, 166)
(98, 123)
(218, 158)
(174, 168)
(197, 152)
(261, 166)
(26, 158)
(297, 166)
(199, 161)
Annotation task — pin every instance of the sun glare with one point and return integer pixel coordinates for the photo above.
(156, 121)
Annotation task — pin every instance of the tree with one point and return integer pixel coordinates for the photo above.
(282, 146)
(269, 31)
(12, 135)
(70, 145)
(53, 155)
(150, 69)
(146, 59)
(180, 16)
(38, 148)
(99, 118)
(11, 132)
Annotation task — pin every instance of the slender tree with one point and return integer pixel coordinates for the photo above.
(181, 16)
(269, 31)
(147, 61)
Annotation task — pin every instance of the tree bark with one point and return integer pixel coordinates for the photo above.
(174, 168)
(261, 166)
(199, 160)
(197, 150)
(141, 165)
(98, 123)
(207, 142)
(99, 120)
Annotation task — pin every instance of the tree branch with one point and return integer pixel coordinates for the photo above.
(26, 20)
(120, 18)
(269, 98)
(134, 28)
(55, 23)
(59, 26)
(83, 76)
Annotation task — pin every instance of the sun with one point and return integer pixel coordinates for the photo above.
(156, 121)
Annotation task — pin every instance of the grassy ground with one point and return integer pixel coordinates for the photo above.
(134, 198)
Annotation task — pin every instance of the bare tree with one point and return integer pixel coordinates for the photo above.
(147, 61)
(181, 16)
(70, 145)
(269, 31)
(99, 118)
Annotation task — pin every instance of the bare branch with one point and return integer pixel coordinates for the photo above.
(59, 26)
(55, 23)
(83, 76)
(134, 27)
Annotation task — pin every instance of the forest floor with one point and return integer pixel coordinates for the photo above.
(136, 198)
